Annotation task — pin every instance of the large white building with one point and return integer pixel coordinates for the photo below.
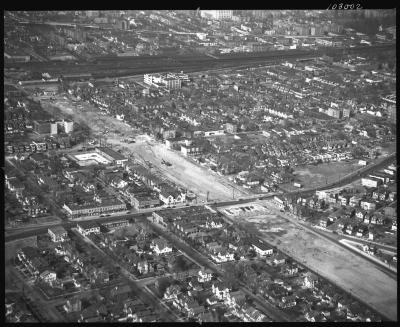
(168, 80)
(370, 182)
(68, 126)
(217, 14)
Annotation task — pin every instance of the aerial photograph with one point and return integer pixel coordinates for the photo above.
(200, 165)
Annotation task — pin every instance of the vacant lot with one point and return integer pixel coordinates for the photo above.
(11, 248)
(350, 271)
(322, 174)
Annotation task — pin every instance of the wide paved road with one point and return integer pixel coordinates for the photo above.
(30, 231)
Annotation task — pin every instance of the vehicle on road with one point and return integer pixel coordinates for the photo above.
(166, 163)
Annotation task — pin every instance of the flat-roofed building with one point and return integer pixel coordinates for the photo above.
(88, 227)
(58, 234)
(115, 157)
(262, 248)
(94, 208)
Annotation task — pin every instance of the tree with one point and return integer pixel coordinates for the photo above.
(179, 264)
(161, 285)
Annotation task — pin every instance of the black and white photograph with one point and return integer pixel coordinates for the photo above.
(200, 165)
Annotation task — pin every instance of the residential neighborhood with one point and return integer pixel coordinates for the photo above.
(200, 165)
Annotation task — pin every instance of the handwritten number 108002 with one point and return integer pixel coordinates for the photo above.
(344, 6)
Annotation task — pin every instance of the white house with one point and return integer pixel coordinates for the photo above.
(262, 248)
(160, 246)
(222, 256)
(48, 276)
(57, 233)
(368, 205)
(204, 275)
(87, 227)
(171, 197)
(220, 290)
(279, 202)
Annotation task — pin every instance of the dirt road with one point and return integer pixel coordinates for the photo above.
(182, 172)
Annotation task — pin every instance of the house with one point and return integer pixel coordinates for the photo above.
(377, 219)
(279, 260)
(91, 314)
(354, 201)
(73, 305)
(371, 235)
(48, 276)
(368, 249)
(360, 214)
(392, 196)
(160, 246)
(58, 234)
(310, 280)
(250, 314)
(143, 267)
(344, 200)
(350, 228)
(213, 246)
(222, 256)
(193, 310)
(290, 269)
(367, 218)
(262, 249)
(204, 275)
(368, 205)
(171, 292)
(213, 223)
(220, 290)
(170, 196)
(118, 182)
(287, 301)
(324, 222)
(88, 227)
(279, 201)
(362, 230)
(235, 299)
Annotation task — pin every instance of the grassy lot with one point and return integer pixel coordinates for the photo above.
(314, 176)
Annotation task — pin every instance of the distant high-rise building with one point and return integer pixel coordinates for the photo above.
(334, 112)
(68, 126)
(346, 112)
(216, 14)
(53, 128)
